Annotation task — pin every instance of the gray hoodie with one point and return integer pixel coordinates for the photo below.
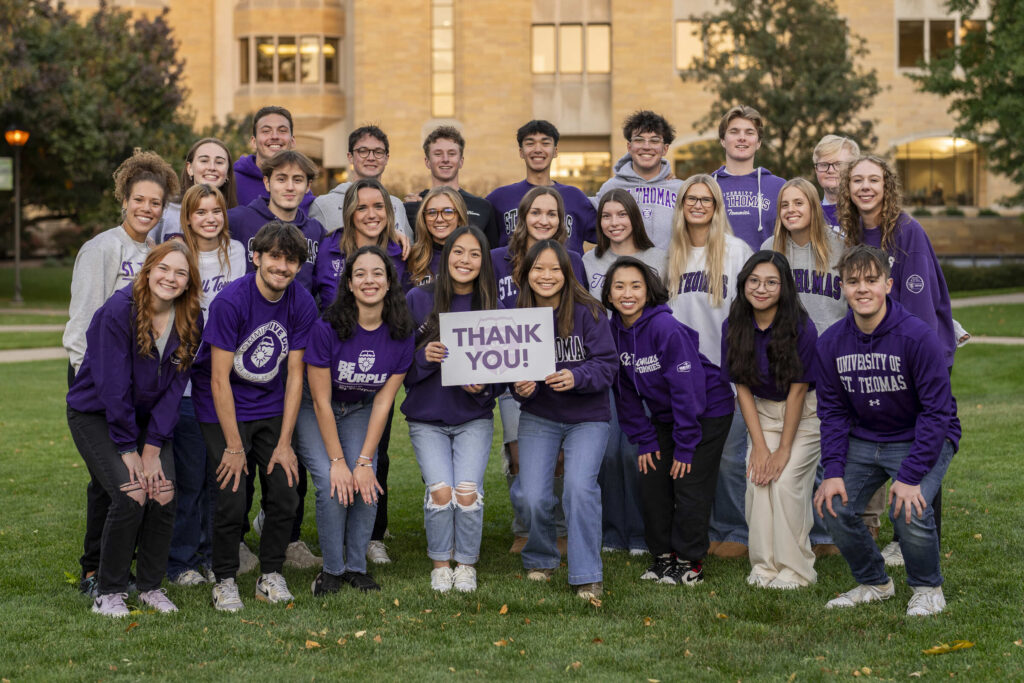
(656, 198)
(327, 208)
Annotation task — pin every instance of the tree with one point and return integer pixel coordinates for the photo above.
(793, 61)
(89, 89)
(984, 79)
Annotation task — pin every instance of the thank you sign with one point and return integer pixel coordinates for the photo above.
(485, 347)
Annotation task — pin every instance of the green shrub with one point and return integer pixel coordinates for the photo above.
(987, 212)
(922, 211)
(952, 211)
(959, 279)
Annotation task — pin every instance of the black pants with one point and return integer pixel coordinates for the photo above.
(380, 525)
(677, 512)
(259, 438)
(127, 524)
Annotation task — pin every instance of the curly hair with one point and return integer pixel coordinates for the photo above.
(343, 314)
(790, 319)
(227, 188)
(519, 242)
(186, 307)
(142, 166)
(848, 214)
(418, 263)
(647, 121)
(572, 294)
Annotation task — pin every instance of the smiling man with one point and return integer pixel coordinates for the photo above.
(272, 132)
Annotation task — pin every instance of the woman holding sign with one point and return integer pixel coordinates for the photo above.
(357, 357)
(567, 410)
(451, 427)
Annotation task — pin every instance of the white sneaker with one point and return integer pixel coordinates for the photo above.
(442, 579)
(465, 578)
(637, 552)
(781, 584)
(377, 552)
(189, 577)
(756, 578)
(247, 562)
(863, 593)
(926, 601)
(111, 605)
(271, 587)
(158, 600)
(299, 556)
(257, 522)
(893, 554)
(225, 596)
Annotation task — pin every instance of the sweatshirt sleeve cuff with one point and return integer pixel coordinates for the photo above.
(682, 457)
(908, 476)
(834, 470)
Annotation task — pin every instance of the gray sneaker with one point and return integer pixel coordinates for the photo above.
(225, 596)
(926, 601)
(271, 587)
(299, 556)
(893, 554)
(863, 593)
(247, 561)
(158, 600)
(189, 577)
(377, 552)
(111, 605)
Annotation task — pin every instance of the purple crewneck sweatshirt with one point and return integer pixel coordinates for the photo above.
(580, 214)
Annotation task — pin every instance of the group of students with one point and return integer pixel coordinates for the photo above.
(730, 354)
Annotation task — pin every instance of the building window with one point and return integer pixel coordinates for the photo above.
(938, 171)
(243, 61)
(331, 51)
(310, 60)
(442, 58)
(571, 48)
(585, 170)
(921, 40)
(689, 44)
(265, 50)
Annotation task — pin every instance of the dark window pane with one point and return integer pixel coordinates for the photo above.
(286, 61)
(942, 37)
(243, 61)
(331, 58)
(264, 59)
(911, 43)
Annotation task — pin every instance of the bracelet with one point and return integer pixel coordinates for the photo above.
(240, 451)
(367, 458)
(364, 464)
(337, 459)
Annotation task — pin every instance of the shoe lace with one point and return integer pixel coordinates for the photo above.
(275, 582)
(227, 589)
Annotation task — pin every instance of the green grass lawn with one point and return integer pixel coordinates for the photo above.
(41, 287)
(984, 292)
(56, 318)
(1005, 320)
(29, 340)
(721, 630)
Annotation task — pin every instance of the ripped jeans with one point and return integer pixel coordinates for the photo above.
(452, 459)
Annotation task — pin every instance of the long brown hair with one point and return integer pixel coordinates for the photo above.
(572, 293)
(349, 245)
(819, 242)
(228, 188)
(186, 306)
(519, 242)
(422, 249)
(639, 233)
(892, 203)
(189, 204)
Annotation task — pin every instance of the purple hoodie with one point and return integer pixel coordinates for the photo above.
(887, 386)
(831, 217)
(917, 280)
(116, 380)
(330, 266)
(580, 214)
(589, 353)
(425, 399)
(659, 365)
(768, 389)
(750, 203)
(249, 183)
(245, 221)
(508, 290)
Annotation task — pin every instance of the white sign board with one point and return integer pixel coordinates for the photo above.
(486, 347)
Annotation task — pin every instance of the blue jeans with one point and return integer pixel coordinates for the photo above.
(728, 516)
(453, 457)
(868, 465)
(583, 443)
(344, 530)
(819, 532)
(622, 524)
(192, 538)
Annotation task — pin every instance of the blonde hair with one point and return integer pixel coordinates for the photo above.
(819, 241)
(423, 242)
(833, 144)
(680, 245)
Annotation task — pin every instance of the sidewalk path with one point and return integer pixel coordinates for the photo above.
(21, 355)
(16, 310)
(991, 300)
(31, 328)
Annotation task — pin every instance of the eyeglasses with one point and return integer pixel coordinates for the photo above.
(638, 140)
(365, 152)
(823, 166)
(432, 214)
(771, 284)
(706, 202)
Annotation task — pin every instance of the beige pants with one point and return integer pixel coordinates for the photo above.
(779, 514)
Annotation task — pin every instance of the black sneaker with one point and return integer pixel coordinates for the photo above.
(87, 586)
(683, 572)
(363, 582)
(658, 568)
(326, 583)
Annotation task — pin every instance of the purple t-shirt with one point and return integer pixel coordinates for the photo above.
(769, 388)
(580, 214)
(260, 333)
(361, 364)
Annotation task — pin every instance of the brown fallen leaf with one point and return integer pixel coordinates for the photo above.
(342, 641)
(526, 620)
(865, 670)
(360, 634)
(427, 611)
(977, 537)
(943, 648)
(597, 640)
(377, 638)
(574, 665)
(687, 653)
(503, 610)
(1019, 643)
(648, 621)
(522, 652)
(131, 626)
(915, 674)
(722, 616)
(595, 602)
(312, 644)
(396, 602)
(452, 669)
(290, 605)
(500, 643)
(792, 677)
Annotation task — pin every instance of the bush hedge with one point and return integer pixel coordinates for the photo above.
(961, 279)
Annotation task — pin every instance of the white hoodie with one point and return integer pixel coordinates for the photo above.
(656, 198)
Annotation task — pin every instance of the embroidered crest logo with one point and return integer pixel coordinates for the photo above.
(336, 266)
(366, 359)
(915, 284)
(683, 367)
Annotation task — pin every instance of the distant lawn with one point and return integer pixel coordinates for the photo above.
(721, 630)
(41, 287)
(1004, 320)
(29, 340)
(984, 292)
(55, 318)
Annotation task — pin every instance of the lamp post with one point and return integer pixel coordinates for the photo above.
(17, 138)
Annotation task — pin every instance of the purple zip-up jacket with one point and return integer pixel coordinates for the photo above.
(249, 183)
(245, 221)
(116, 380)
(580, 214)
(659, 365)
(330, 266)
(887, 386)
(769, 389)
(917, 280)
(425, 399)
(508, 289)
(589, 353)
(750, 202)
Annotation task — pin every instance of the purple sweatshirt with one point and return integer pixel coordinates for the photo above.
(508, 289)
(768, 389)
(831, 217)
(425, 399)
(330, 266)
(589, 353)
(361, 364)
(245, 221)
(249, 183)
(887, 386)
(659, 365)
(116, 380)
(260, 333)
(435, 263)
(580, 214)
(917, 280)
(750, 203)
